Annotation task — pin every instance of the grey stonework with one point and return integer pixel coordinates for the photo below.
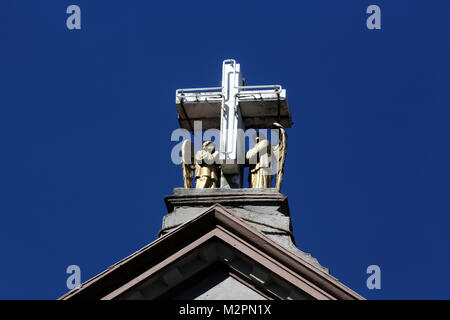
(265, 209)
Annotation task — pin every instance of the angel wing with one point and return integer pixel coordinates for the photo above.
(279, 151)
(187, 162)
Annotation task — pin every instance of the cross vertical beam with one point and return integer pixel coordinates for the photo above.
(231, 125)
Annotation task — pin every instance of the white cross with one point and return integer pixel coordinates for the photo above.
(230, 117)
(232, 108)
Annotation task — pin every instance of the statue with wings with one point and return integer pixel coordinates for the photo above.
(204, 162)
(260, 159)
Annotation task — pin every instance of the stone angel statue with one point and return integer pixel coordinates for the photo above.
(260, 159)
(279, 152)
(204, 162)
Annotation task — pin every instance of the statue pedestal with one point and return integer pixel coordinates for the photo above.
(267, 210)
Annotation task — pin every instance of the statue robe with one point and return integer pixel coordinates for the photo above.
(206, 175)
(259, 158)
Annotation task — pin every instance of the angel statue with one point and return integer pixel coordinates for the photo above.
(260, 160)
(206, 167)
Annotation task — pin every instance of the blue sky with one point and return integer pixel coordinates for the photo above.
(86, 118)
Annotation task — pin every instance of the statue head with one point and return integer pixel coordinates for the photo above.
(258, 136)
(209, 146)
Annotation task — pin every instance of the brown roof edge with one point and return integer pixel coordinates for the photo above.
(157, 249)
(278, 252)
(126, 269)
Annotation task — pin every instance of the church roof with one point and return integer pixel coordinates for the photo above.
(215, 240)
